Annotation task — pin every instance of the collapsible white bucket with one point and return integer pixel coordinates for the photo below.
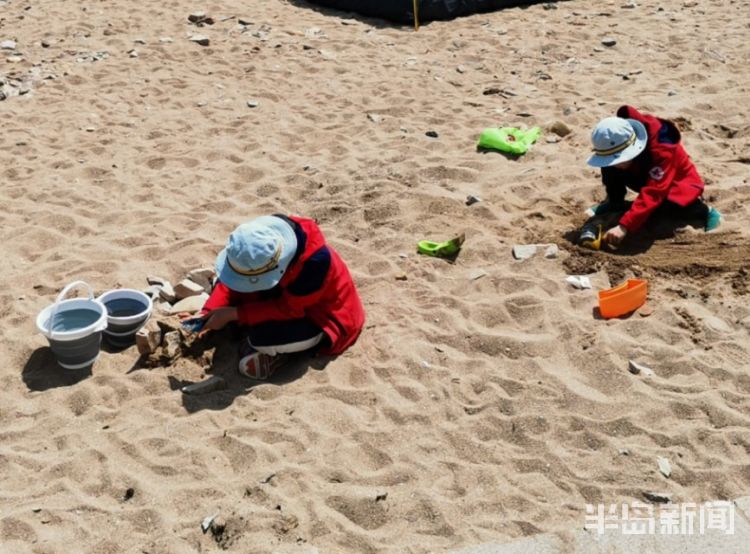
(127, 311)
(74, 327)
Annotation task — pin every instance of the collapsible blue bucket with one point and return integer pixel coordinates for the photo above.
(127, 311)
(74, 328)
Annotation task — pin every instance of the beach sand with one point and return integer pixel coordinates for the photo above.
(484, 400)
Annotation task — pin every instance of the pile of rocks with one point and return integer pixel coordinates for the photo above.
(162, 339)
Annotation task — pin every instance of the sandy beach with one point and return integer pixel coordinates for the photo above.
(484, 401)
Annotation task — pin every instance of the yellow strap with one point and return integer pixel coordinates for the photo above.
(272, 264)
(616, 149)
(416, 14)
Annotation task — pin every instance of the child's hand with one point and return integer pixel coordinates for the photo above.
(217, 319)
(615, 235)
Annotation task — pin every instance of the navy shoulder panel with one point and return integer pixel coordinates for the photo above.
(313, 273)
(668, 134)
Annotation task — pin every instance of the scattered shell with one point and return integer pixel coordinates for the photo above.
(664, 466)
(635, 368)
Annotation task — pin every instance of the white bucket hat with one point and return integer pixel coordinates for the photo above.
(257, 254)
(617, 140)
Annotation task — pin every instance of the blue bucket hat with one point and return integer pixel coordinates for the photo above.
(257, 254)
(617, 140)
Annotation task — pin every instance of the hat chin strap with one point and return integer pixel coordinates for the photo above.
(616, 149)
(272, 264)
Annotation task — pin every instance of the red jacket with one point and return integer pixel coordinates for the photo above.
(663, 171)
(316, 285)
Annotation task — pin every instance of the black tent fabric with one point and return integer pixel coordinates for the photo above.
(402, 11)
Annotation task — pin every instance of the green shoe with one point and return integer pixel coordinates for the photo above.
(713, 220)
(441, 249)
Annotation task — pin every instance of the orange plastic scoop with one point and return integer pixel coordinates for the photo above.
(623, 299)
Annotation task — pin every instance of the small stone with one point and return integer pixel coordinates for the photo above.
(578, 281)
(129, 493)
(252, 104)
(629, 6)
(148, 338)
(206, 523)
(200, 39)
(625, 452)
(152, 291)
(659, 497)
(152, 280)
(8, 45)
(645, 310)
(14, 59)
(172, 347)
(166, 40)
(167, 292)
(196, 17)
(191, 304)
(211, 384)
(375, 118)
(475, 274)
(381, 497)
(664, 466)
(524, 251)
(401, 277)
(471, 199)
(461, 69)
(244, 21)
(133, 53)
(560, 129)
(635, 368)
(551, 251)
(186, 288)
(432, 134)
(45, 44)
(672, 93)
(608, 41)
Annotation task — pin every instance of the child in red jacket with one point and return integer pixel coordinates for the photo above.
(287, 289)
(644, 153)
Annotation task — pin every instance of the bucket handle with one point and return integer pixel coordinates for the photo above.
(60, 297)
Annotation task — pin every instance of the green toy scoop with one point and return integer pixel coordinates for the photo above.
(445, 249)
(509, 139)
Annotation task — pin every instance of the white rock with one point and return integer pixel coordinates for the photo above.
(204, 277)
(578, 281)
(252, 104)
(608, 41)
(551, 251)
(148, 338)
(186, 288)
(8, 45)
(191, 304)
(211, 384)
(152, 280)
(153, 291)
(166, 40)
(172, 347)
(167, 292)
(524, 251)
